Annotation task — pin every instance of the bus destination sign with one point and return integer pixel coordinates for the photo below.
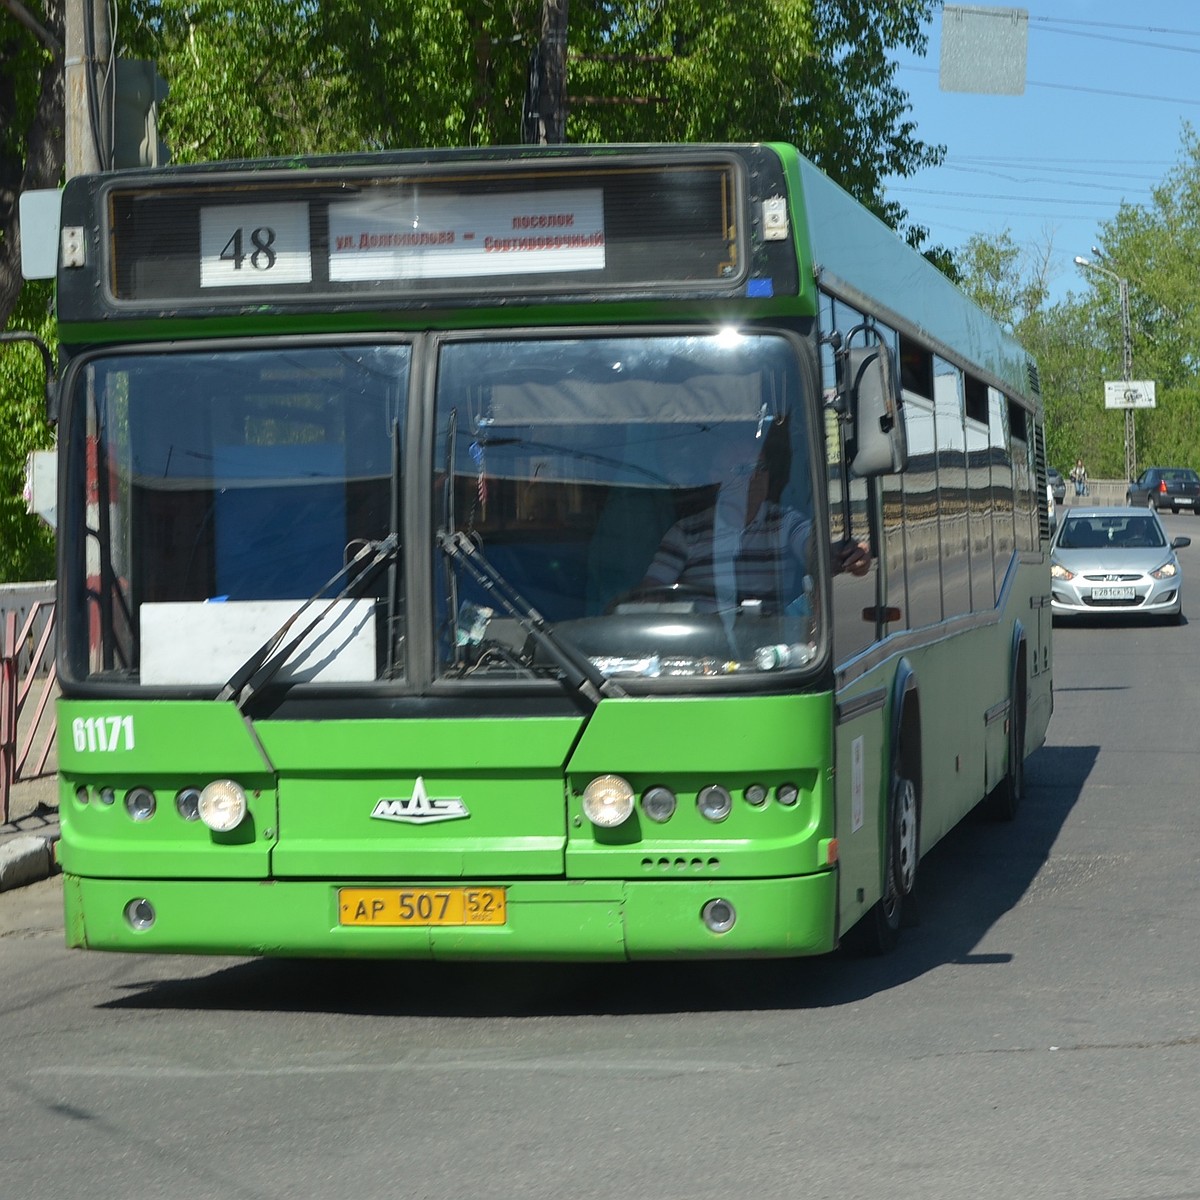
(290, 236)
(466, 236)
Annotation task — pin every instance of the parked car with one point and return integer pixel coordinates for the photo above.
(1115, 562)
(1058, 485)
(1175, 488)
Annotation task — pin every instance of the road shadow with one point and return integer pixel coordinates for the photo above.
(977, 874)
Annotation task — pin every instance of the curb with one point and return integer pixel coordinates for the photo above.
(25, 859)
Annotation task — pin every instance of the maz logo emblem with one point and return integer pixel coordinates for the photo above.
(419, 809)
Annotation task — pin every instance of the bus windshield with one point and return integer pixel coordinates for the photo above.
(649, 497)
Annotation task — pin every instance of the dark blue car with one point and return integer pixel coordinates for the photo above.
(1176, 488)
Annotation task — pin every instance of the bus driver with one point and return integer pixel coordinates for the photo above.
(746, 545)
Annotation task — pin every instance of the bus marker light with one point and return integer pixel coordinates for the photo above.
(140, 914)
(719, 915)
(187, 803)
(222, 805)
(608, 801)
(140, 803)
(658, 803)
(756, 794)
(714, 802)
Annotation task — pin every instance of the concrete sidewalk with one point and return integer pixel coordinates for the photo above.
(27, 841)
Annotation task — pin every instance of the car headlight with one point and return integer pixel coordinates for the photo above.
(1167, 571)
(1058, 571)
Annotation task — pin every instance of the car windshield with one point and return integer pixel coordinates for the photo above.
(1132, 532)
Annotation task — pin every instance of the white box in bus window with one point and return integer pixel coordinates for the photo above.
(200, 643)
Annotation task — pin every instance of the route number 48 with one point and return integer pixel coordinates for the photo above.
(261, 256)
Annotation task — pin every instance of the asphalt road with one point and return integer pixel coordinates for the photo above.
(1036, 1035)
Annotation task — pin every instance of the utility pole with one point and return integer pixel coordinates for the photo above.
(545, 119)
(1126, 354)
(1127, 357)
(87, 94)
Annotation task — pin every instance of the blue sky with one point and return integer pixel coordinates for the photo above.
(1108, 87)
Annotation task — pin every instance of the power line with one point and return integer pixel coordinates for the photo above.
(1000, 197)
(1072, 87)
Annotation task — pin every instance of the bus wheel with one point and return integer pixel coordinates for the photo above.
(879, 931)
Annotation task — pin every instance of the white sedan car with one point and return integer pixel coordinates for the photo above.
(1115, 562)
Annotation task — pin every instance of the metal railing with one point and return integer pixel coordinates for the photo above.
(28, 684)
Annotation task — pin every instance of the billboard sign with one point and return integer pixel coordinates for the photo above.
(1129, 393)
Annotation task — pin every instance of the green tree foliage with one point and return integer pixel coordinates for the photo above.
(30, 157)
(276, 77)
(1155, 247)
(26, 544)
(1079, 342)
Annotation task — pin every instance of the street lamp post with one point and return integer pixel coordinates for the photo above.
(1126, 354)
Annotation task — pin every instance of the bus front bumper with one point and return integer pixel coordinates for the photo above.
(545, 920)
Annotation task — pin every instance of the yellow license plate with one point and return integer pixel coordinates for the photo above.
(422, 906)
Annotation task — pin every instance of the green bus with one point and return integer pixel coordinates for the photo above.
(590, 552)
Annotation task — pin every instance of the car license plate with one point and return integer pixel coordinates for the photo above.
(1113, 593)
(422, 906)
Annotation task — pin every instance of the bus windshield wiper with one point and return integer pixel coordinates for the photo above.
(264, 664)
(579, 675)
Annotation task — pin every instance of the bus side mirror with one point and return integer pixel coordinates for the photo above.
(876, 443)
(21, 335)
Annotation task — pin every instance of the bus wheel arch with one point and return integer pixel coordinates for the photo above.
(1005, 799)
(879, 930)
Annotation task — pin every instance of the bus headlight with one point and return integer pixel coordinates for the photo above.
(222, 805)
(608, 801)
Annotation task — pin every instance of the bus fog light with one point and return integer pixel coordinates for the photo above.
(787, 794)
(719, 915)
(140, 803)
(107, 795)
(222, 805)
(714, 802)
(608, 801)
(140, 914)
(658, 803)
